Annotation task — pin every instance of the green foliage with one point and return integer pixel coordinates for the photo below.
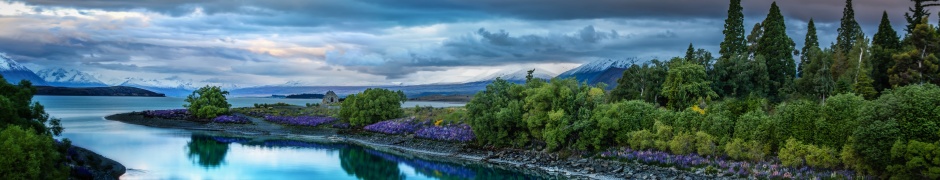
(745, 150)
(816, 81)
(851, 158)
(734, 42)
(641, 83)
(641, 140)
(754, 125)
(778, 49)
(915, 108)
(614, 121)
(916, 63)
(207, 102)
(551, 109)
(683, 143)
(873, 143)
(18, 109)
(795, 119)
(496, 115)
(839, 112)
(705, 144)
(29, 155)
(371, 106)
(663, 134)
(884, 44)
(811, 43)
(849, 29)
(918, 160)
(686, 85)
(739, 76)
(793, 153)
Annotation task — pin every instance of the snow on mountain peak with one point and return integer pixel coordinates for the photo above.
(174, 83)
(519, 75)
(70, 77)
(8, 64)
(600, 65)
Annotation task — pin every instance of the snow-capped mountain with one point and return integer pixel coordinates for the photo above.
(598, 66)
(159, 83)
(69, 78)
(605, 71)
(13, 72)
(518, 75)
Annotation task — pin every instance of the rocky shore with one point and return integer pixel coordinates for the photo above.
(552, 165)
(91, 165)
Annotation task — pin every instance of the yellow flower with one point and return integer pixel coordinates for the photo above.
(438, 122)
(697, 109)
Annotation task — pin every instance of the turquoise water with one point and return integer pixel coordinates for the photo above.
(154, 153)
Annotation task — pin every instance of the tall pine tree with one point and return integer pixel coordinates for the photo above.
(916, 63)
(778, 49)
(849, 29)
(917, 13)
(885, 43)
(811, 42)
(734, 42)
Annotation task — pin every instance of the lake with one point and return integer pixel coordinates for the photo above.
(155, 153)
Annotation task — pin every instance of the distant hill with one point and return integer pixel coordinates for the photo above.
(518, 76)
(304, 96)
(13, 72)
(96, 91)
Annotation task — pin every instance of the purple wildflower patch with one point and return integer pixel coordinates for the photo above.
(771, 169)
(234, 119)
(168, 114)
(461, 133)
(393, 127)
(299, 120)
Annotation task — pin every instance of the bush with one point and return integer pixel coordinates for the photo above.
(682, 143)
(839, 112)
(851, 159)
(793, 153)
(873, 143)
(705, 144)
(795, 119)
(915, 108)
(371, 106)
(495, 114)
(641, 140)
(749, 126)
(207, 102)
(614, 121)
(745, 150)
(664, 133)
(28, 155)
(918, 160)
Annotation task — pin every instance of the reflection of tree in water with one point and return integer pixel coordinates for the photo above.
(357, 162)
(206, 151)
(449, 171)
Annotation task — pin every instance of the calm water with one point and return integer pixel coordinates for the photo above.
(153, 153)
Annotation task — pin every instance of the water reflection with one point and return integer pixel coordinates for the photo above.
(356, 161)
(206, 151)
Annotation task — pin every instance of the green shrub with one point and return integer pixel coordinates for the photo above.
(24, 154)
(851, 159)
(495, 114)
(873, 143)
(720, 125)
(795, 119)
(824, 157)
(917, 160)
(664, 133)
(641, 140)
(207, 102)
(705, 144)
(682, 143)
(839, 117)
(915, 108)
(735, 149)
(615, 120)
(371, 106)
(745, 150)
(793, 153)
(748, 126)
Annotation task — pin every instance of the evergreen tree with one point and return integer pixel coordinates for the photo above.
(884, 45)
(811, 42)
(753, 39)
(734, 42)
(778, 49)
(917, 13)
(916, 64)
(849, 28)
(690, 53)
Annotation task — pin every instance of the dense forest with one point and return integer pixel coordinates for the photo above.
(871, 105)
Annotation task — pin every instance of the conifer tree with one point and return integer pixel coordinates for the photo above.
(811, 42)
(916, 64)
(778, 50)
(734, 42)
(885, 43)
(917, 13)
(849, 29)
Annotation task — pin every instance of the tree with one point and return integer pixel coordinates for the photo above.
(915, 64)
(778, 50)
(849, 29)
(917, 14)
(631, 84)
(753, 39)
(884, 45)
(496, 114)
(371, 106)
(734, 42)
(207, 102)
(811, 42)
(27, 154)
(686, 85)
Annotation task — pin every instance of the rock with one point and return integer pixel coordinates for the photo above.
(582, 161)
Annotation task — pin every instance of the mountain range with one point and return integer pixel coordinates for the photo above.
(601, 71)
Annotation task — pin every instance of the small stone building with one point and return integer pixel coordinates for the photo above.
(330, 98)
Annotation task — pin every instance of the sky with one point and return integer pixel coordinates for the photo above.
(381, 42)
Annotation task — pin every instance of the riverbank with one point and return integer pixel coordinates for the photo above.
(532, 162)
(90, 165)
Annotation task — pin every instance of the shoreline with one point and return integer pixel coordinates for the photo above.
(528, 161)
